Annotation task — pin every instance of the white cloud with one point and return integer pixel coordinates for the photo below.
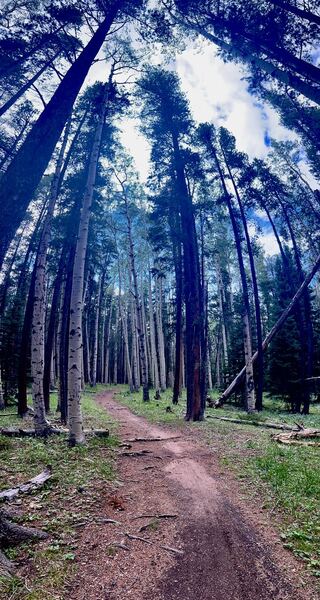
(218, 92)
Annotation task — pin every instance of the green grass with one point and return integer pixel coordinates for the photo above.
(284, 480)
(155, 410)
(69, 497)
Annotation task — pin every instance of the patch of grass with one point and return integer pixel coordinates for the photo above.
(155, 410)
(71, 496)
(293, 478)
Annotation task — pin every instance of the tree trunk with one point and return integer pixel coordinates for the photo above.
(259, 395)
(162, 360)
(303, 14)
(107, 343)
(154, 358)
(246, 52)
(192, 290)
(39, 301)
(27, 85)
(277, 326)
(115, 347)
(76, 435)
(140, 329)
(19, 183)
(134, 352)
(96, 334)
(249, 389)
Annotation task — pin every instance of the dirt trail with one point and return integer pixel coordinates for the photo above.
(223, 549)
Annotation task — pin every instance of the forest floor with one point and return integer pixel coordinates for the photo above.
(202, 534)
(166, 510)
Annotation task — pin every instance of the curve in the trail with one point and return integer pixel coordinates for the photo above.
(226, 556)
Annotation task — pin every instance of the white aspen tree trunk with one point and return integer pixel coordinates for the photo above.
(249, 387)
(218, 371)
(154, 358)
(76, 435)
(1, 392)
(146, 340)
(134, 355)
(107, 343)
(123, 316)
(183, 370)
(115, 363)
(162, 360)
(41, 424)
(96, 335)
(139, 322)
(102, 340)
(59, 331)
(223, 324)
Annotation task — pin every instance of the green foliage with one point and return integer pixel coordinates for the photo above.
(68, 498)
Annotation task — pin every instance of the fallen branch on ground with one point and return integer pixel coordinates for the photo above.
(302, 437)
(118, 545)
(141, 539)
(174, 550)
(137, 537)
(138, 453)
(282, 426)
(29, 486)
(164, 516)
(157, 439)
(9, 415)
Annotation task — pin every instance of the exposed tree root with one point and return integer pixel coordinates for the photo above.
(6, 566)
(12, 534)
(29, 486)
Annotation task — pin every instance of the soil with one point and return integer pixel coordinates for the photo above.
(202, 539)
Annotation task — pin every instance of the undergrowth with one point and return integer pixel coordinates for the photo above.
(70, 497)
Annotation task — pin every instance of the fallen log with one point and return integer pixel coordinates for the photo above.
(29, 486)
(282, 426)
(233, 386)
(302, 437)
(19, 432)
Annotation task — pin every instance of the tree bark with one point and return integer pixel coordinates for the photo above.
(139, 322)
(19, 183)
(192, 290)
(162, 360)
(154, 358)
(39, 301)
(259, 394)
(250, 396)
(76, 435)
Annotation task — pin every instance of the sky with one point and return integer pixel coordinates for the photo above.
(218, 93)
